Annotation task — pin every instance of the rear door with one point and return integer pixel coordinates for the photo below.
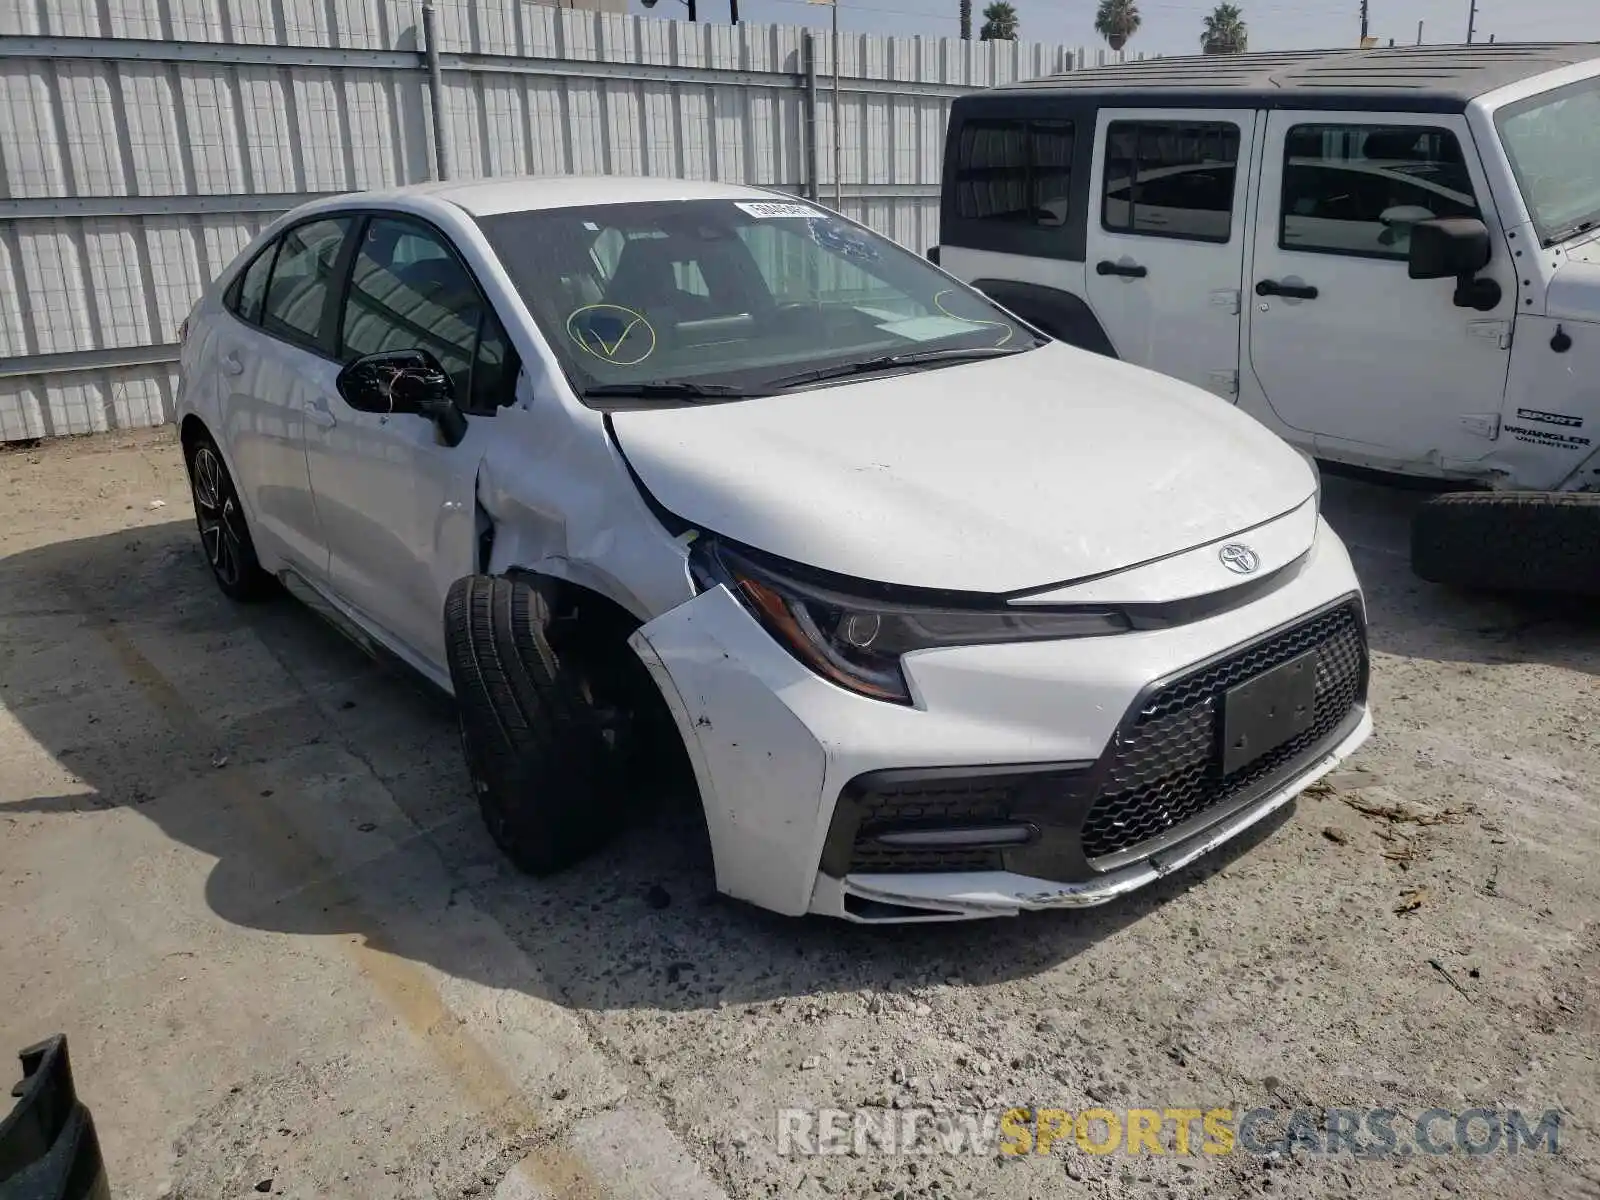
(276, 365)
(1344, 345)
(1167, 237)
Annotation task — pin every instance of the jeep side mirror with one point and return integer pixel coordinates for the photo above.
(1458, 248)
(404, 381)
(933, 255)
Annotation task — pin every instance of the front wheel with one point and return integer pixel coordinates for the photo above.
(224, 535)
(537, 750)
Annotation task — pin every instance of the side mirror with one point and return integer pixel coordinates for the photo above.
(1455, 247)
(404, 381)
(1448, 248)
(933, 255)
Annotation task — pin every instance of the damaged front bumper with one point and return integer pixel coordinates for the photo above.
(780, 754)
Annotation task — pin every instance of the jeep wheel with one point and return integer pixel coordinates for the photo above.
(224, 536)
(536, 747)
(1510, 541)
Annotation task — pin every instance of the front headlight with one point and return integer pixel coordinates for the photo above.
(858, 643)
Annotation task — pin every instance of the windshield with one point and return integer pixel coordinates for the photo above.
(1553, 142)
(730, 297)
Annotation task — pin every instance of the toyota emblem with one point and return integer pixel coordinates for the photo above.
(1239, 558)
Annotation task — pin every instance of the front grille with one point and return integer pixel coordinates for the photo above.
(1166, 767)
(928, 803)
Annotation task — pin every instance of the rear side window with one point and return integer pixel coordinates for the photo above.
(1171, 179)
(408, 291)
(1015, 172)
(1358, 189)
(249, 289)
(303, 280)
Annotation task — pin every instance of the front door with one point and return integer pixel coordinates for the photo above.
(1167, 237)
(397, 505)
(1376, 366)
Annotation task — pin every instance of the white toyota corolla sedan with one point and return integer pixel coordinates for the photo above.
(945, 618)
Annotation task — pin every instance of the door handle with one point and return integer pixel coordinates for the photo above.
(1290, 291)
(318, 413)
(1126, 270)
(231, 364)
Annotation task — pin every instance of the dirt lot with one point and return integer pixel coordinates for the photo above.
(240, 868)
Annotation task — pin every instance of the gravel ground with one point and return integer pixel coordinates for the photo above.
(239, 866)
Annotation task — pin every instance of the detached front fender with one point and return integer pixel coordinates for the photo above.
(762, 773)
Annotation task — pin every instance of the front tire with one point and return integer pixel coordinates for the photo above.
(545, 778)
(224, 535)
(1510, 541)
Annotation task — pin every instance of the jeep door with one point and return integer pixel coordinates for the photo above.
(1376, 367)
(1167, 236)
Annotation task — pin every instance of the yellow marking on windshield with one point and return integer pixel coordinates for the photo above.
(594, 343)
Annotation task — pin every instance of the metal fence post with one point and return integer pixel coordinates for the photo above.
(813, 150)
(441, 148)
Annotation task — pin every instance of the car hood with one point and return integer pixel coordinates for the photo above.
(992, 476)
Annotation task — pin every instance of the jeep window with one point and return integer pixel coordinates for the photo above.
(302, 281)
(728, 295)
(1553, 142)
(1358, 189)
(1014, 171)
(409, 291)
(1171, 179)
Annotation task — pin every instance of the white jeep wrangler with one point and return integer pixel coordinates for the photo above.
(1390, 257)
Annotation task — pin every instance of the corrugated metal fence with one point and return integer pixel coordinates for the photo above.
(144, 142)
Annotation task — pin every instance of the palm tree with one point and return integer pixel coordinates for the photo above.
(999, 23)
(1117, 21)
(1225, 31)
(966, 20)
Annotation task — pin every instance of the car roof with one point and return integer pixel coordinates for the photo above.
(519, 193)
(1428, 78)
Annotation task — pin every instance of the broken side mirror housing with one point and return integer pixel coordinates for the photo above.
(404, 381)
(1455, 248)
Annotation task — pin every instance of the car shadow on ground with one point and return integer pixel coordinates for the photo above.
(331, 794)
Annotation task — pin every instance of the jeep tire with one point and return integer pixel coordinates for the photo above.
(1510, 541)
(540, 766)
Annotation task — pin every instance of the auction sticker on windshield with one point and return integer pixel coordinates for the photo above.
(775, 208)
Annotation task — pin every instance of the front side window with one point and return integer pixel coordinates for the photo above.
(1014, 171)
(1553, 142)
(408, 291)
(737, 296)
(303, 280)
(1359, 189)
(1171, 179)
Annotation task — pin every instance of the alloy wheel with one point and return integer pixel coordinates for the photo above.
(217, 510)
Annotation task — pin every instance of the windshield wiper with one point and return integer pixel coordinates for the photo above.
(667, 389)
(888, 362)
(1572, 231)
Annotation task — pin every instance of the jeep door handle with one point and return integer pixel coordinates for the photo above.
(1126, 270)
(1290, 291)
(231, 364)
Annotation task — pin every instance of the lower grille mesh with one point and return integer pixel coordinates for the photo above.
(1167, 768)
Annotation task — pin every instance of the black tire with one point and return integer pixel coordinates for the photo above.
(545, 778)
(224, 533)
(1510, 541)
